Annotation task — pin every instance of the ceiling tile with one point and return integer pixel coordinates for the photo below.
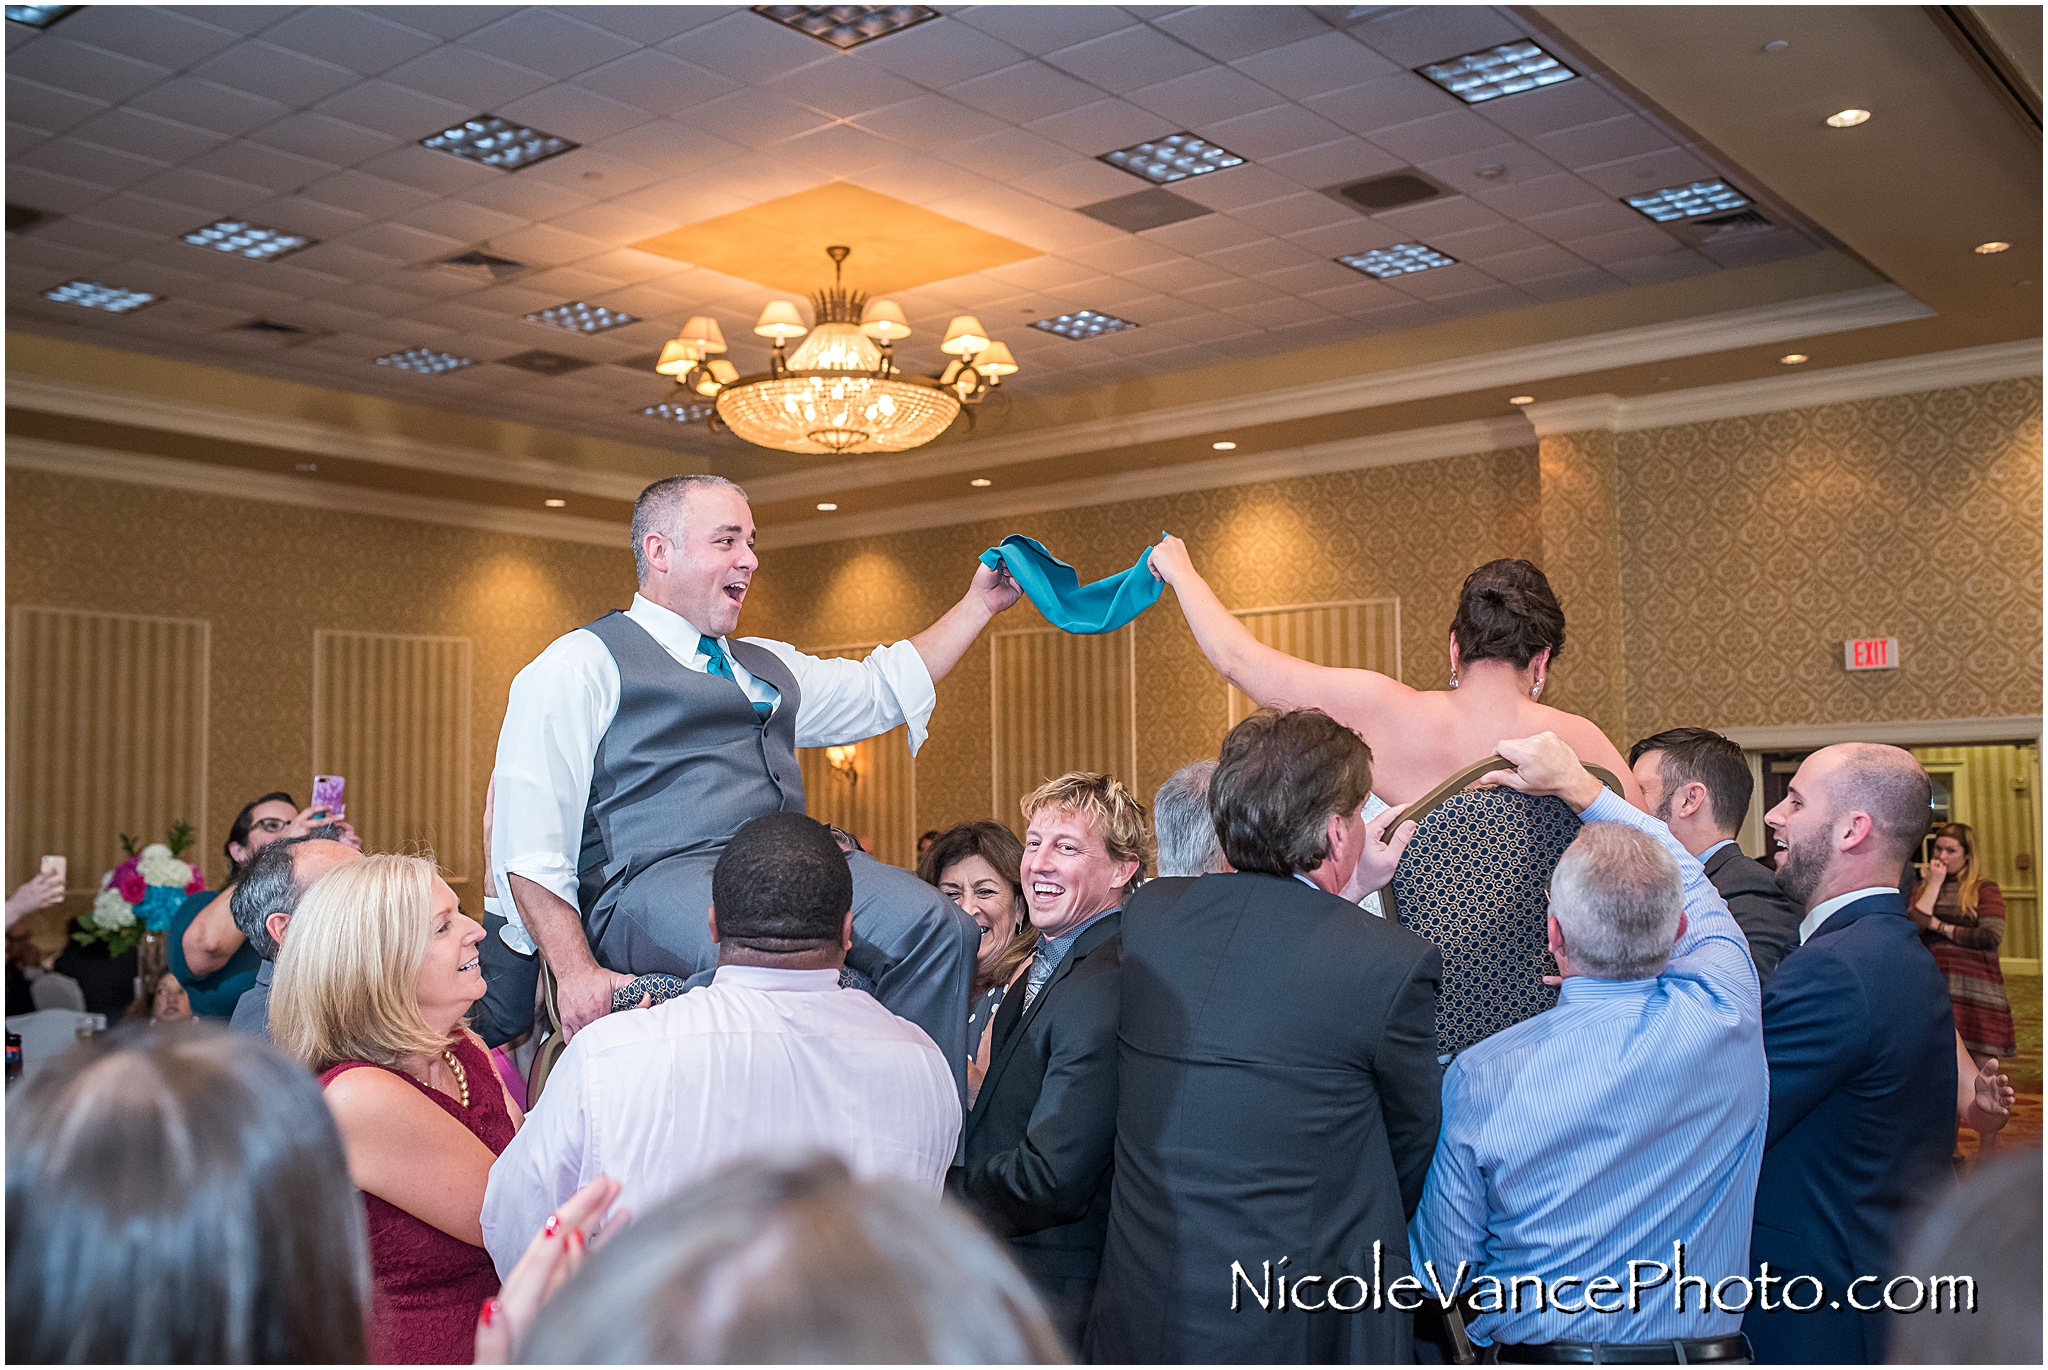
(82, 70)
(1125, 254)
(754, 178)
(1260, 257)
(1634, 175)
(381, 300)
(1451, 214)
(1332, 164)
(550, 41)
(1442, 280)
(621, 265)
(1528, 264)
(1754, 249)
(916, 180)
(666, 146)
(401, 243)
(754, 120)
(45, 108)
(1540, 196)
(1027, 91)
(245, 296)
(1548, 109)
(394, 110)
(1128, 58)
(115, 240)
(1059, 230)
(1013, 153)
(159, 36)
(939, 54)
(175, 267)
(748, 48)
(572, 112)
(366, 194)
(1204, 97)
(1205, 234)
(261, 166)
(842, 87)
(1418, 34)
(838, 150)
(681, 201)
(349, 38)
(1235, 187)
(1320, 273)
(209, 105)
(1292, 213)
(1490, 299)
(290, 78)
(240, 18)
(1610, 140)
(474, 79)
(1043, 28)
(1339, 239)
(21, 140)
(447, 22)
(1571, 284)
(1101, 126)
(297, 214)
(525, 196)
(1272, 132)
(339, 259)
(144, 135)
(1074, 182)
(324, 138)
(216, 193)
(928, 122)
(655, 81)
(1441, 135)
(1505, 164)
(1603, 216)
(1477, 244)
(544, 244)
(1382, 102)
(423, 169)
(154, 218)
(648, 23)
(1203, 325)
(1621, 244)
(1042, 274)
(459, 219)
(1665, 266)
(1229, 32)
(595, 171)
(49, 255)
(1315, 66)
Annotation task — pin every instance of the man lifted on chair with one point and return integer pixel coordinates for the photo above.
(635, 746)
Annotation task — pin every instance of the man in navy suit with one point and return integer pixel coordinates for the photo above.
(1861, 1043)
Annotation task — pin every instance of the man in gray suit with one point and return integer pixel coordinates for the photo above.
(1698, 783)
(265, 898)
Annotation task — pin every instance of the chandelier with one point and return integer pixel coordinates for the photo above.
(841, 391)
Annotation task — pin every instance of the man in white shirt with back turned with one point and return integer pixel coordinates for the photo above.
(772, 1057)
(634, 747)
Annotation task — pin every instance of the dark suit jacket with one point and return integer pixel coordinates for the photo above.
(1040, 1133)
(1861, 1042)
(1278, 1096)
(1766, 917)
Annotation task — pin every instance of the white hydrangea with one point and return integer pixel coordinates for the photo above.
(159, 867)
(112, 913)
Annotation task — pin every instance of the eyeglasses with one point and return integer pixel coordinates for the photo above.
(270, 825)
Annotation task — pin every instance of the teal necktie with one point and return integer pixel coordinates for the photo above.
(720, 666)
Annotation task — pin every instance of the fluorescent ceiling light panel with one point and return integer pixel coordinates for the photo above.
(39, 16)
(496, 142)
(578, 317)
(1508, 69)
(1687, 201)
(92, 295)
(425, 360)
(1172, 158)
(1083, 323)
(847, 26)
(679, 413)
(248, 240)
(1402, 259)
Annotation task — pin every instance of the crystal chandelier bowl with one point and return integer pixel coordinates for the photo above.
(820, 414)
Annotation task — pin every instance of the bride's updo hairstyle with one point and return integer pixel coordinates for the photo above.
(1506, 612)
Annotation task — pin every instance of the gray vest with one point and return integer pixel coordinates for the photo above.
(684, 763)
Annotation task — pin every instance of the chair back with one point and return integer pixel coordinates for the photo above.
(1475, 880)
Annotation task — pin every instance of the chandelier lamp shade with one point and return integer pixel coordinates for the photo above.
(840, 391)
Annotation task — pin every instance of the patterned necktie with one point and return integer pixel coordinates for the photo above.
(1041, 971)
(719, 666)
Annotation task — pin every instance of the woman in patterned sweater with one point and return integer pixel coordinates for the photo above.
(1962, 921)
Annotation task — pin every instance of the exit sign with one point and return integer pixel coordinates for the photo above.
(1871, 654)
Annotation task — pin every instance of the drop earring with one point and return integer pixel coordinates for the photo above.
(1454, 680)
(1536, 690)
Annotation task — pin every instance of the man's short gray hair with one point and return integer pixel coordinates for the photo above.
(1181, 823)
(660, 510)
(1617, 898)
(269, 884)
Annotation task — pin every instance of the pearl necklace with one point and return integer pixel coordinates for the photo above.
(461, 1075)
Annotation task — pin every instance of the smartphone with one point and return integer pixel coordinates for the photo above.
(327, 793)
(57, 864)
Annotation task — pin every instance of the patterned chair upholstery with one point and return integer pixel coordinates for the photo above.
(1475, 880)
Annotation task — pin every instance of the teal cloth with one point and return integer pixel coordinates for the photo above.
(720, 665)
(1103, 607)
(215, 995)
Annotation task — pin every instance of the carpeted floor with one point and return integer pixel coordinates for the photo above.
(2024, 993)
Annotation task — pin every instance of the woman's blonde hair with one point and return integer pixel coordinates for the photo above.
(347, 981)
(1969, 877)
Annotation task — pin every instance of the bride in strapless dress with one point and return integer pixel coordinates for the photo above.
(1507, 634)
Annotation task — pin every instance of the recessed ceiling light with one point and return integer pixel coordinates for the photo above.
(1848, 118)
(1688, 201)
(1083, 323)
(484, 264)
(309, 467)
(1986, 249)
(1793, 358)
(579, 317)
(1223, 446)
(827, 508)
(1172, 158)
(1521, 399)
(499, 143)
(1508, 69)
(39, 16)
(1401, 259)
(248, 240)
(1776, 45)
(425, 360)
(981, 482)
(92, 295)
(847, 26)
(555, 503)
(679, 413)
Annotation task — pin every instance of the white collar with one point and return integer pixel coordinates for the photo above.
(1724, 842)
(1828, 908)
(667, 627)
(773, 979)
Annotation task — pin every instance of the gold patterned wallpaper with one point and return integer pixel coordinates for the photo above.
(1582, 561)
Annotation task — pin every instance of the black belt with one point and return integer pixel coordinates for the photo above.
(1694, 1351)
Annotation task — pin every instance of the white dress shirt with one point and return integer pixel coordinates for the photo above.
(1828, 908)
(565, 699)
(757, 1063)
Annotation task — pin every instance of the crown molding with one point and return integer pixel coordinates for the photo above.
(1924, 732)
(1351, 454)
(1806, 318)
(77, 401)
(1575, 415)
(65, 459)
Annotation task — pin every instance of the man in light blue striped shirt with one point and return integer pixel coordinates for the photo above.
(1627, 1119)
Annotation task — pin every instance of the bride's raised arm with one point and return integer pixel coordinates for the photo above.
(1268, 675)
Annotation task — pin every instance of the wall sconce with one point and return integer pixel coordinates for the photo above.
(842, 760)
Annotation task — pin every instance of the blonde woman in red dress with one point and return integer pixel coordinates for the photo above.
(1962, 921)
